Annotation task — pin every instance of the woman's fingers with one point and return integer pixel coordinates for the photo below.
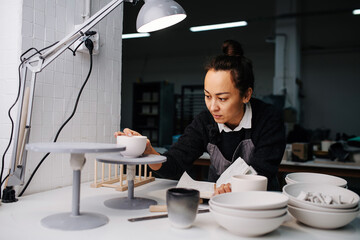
(224, 188)
(118, 134)
(221, 189)
(130, 132)
(127, 132)
(227, 187)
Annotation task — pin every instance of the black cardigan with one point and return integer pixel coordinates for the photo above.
(268, 136)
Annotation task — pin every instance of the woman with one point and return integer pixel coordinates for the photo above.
(234, 125)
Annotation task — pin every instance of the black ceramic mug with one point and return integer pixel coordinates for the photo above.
(182, 205)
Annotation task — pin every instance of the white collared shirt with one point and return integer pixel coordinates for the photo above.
(244, 123)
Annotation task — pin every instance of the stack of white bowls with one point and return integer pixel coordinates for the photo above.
(321, 215)
(307, 177)
(250, 213)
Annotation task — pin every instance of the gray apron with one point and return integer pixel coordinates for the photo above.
(218, 164)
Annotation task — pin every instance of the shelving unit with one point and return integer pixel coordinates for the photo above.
(192, 103)
(153, 111)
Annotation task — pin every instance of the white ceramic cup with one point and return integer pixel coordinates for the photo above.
(325, 145)
(182, 205)
(242, 183)
(135, 145)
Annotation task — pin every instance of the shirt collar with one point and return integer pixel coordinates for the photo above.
(244, 123)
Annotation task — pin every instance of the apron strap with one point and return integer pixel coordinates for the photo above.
(247, 133)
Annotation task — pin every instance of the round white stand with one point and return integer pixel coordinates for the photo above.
(75, 220)
(130, 202)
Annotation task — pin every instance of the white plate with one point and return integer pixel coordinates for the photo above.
(251, 200)
(306, 177)
(249, 213)
(248, 227)
(323, 220)
(293, 191)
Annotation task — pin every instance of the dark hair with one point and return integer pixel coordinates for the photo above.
(233, 60)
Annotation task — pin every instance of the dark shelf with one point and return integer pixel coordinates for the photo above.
(147, 102)
(147, 127)
(148, 114)
(153, 111)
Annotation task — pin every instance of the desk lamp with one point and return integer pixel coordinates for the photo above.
(153, 16)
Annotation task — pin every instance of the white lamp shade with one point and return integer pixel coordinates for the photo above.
(158, 14)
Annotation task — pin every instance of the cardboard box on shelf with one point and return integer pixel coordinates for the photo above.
(301, 152)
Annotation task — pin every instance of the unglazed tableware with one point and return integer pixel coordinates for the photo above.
(251, 200)
(248, 227)
(269, 213)
(135, 145)
(307, 177)
(241, 183)
(320, 219)
(348, 198)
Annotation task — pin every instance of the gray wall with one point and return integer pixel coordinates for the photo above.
(331, 91)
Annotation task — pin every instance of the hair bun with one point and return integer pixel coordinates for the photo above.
(232, 48)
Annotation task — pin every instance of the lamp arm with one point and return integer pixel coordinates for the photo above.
(37, 64)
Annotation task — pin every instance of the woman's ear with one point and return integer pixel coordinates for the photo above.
(247, 95)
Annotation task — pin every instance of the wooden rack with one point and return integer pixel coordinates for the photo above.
(118, 179)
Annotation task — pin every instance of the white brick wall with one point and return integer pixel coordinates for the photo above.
(10, 49)
(98, 113)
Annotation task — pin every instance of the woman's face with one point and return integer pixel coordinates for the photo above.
(223, 99)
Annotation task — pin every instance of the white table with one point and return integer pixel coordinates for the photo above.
(130, 202)
(21, 220)
(75, 220)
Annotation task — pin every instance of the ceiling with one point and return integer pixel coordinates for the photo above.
(319, 27)
(179, 40)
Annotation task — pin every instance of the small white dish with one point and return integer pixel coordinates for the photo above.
(248, 227)
(307, 177)
(251, 200)
(324, 220)
(350, 198)
(271, 213)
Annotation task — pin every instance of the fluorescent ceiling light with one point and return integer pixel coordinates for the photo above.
(218, 26)
(356, 12)
(135, 35)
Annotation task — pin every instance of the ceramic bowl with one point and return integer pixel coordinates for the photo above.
(306, 177)
(251, 200)
(271, 213)
(305, 205)
(247, 227)
(135, 145)
(350, 198)
(319, 219)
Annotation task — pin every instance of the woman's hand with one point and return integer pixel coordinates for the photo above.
(127, 132)
(224, 188)
(148, 150)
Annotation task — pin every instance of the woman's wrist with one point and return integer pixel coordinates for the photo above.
(151, 150)
(155, 166)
